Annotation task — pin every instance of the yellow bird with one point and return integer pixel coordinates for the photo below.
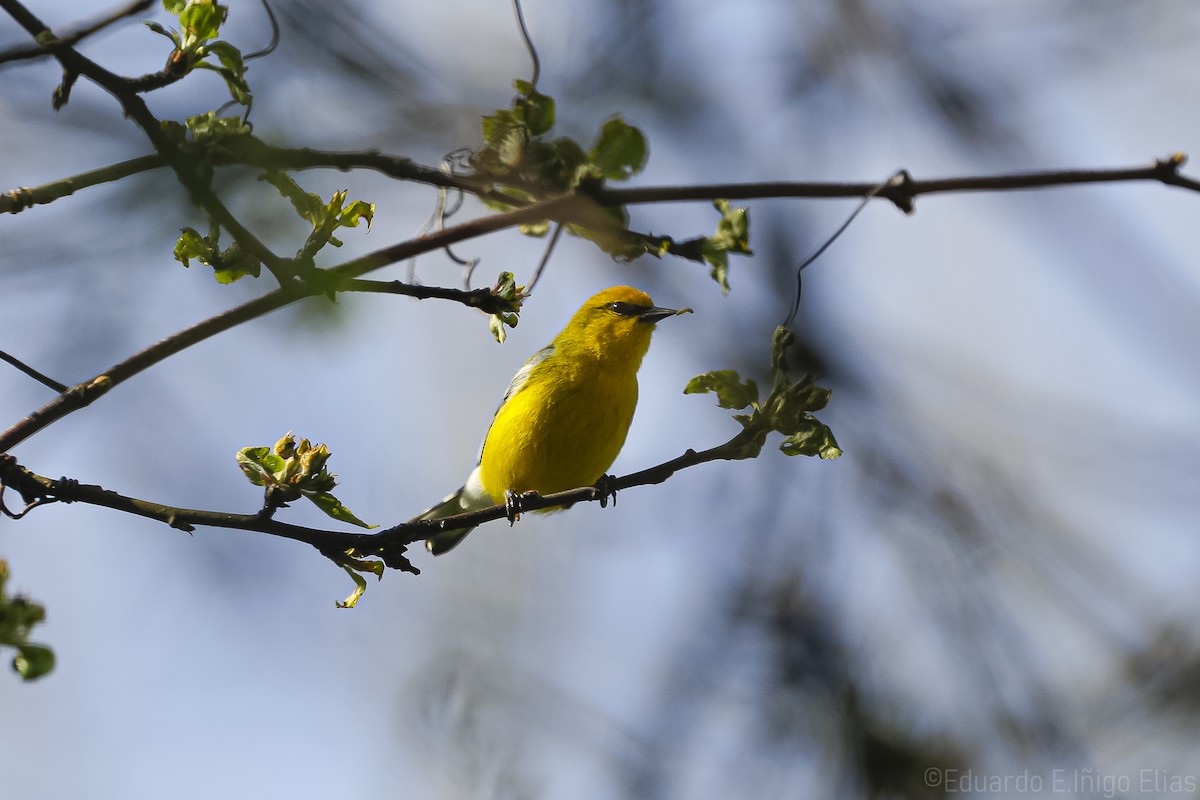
(566, 412)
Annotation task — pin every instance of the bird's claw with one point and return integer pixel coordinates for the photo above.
(607, 487)
(514, 504)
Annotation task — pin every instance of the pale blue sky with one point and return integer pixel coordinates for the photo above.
(1029, 355)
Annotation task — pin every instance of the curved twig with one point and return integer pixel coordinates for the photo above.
(85, 393)
(75, 63)
(74, 35)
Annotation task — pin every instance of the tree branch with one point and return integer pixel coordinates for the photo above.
(77, 34)
(85, 393)
(249, 151)
(21, 198)
(45, 380)
(75, 63)
(389, 545)
(903, 192)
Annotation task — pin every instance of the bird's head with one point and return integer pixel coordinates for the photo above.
(616, 322)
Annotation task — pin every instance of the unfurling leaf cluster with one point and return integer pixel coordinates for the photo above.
(18, 616)
(196, 40)
(526, 163)
(787, 409)
(290, 470)
(228, 264)
(506, 288)
(325, 217)
(732, 236)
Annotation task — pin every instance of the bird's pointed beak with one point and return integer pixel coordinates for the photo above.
(655, 314)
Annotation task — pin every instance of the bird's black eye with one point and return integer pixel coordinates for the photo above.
(626, 309)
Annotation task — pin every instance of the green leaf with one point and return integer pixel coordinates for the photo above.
(506, 289)
(18, 616)
(814, 440)
(537, 108)
(202, 20)
(719, 272)
(732, 236)
(170, 34)
(355, 568)
(620, 150)
(334, 508)
(251, 460)
(229, 56)
(32, 661)
(786, 409)
(175, 7)
(325, 217)
(749, 443)
(228, 266)
(505, 135)
(360, 586)
(309, 206)
(294, 468)
(354, 213)
(731, 391)
(232, 69)
(209, 126)
(191, 245)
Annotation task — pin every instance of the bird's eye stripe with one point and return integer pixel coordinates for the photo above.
(626, 309)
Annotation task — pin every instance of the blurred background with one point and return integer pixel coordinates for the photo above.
(993, 591)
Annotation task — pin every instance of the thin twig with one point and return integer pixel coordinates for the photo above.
(19, 199)
(33, 373)
(787, 322)
(483, 299)
(250, 151)
(533, 53)
(902, 193)
(389, 544)
(85, 393)
(271, 45)
(74, 63)
(537, 273)
(74, 35)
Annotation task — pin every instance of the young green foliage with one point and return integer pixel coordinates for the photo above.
(18, 616)
(522, 160)
(787, 409)
(228, 264)
(356, 568)
(620, 151)
(290, 470)
(325, 217)
(732, 236)
(199, 26)
(506, 288)
(201, 136)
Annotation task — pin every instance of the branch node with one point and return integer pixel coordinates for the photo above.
(900, 190)
(25, 482)
(62, 92)
(178, 524)
(1170, 166)
(19, 199)
(65, 489)
(99, 385)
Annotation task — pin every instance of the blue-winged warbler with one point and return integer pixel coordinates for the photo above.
(565, 415)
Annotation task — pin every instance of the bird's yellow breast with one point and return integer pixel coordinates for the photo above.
(562, 430)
